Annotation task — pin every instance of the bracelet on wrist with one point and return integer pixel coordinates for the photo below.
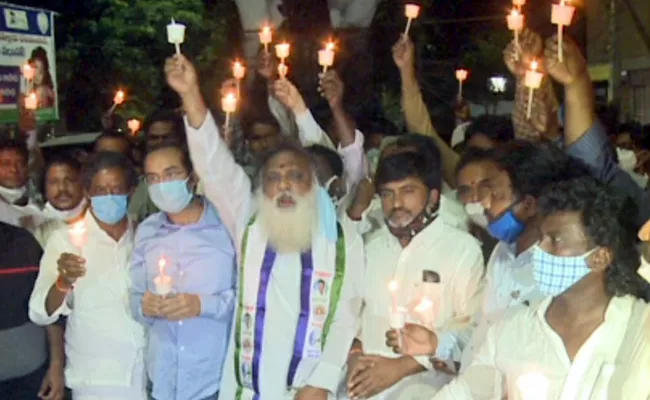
(62, 285)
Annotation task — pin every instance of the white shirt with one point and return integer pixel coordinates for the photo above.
(456, 257)
(526, 344)
(228, 187)
(509, 282)
(13, 215)
(103, 342)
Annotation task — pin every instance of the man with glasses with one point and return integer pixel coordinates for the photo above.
(188, 329)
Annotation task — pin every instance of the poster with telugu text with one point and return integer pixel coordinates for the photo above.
(27, 36)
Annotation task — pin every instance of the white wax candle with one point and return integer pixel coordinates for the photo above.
(533, 81)
(533, 386)
(229, 103)
(134, 125)
(397, 318)
(412, 11)
(561, 16)
(176, 35)
(119, 97)
(266, 37)
(519, 3)
(162, 282)
(77, 234)
(282, 51)
(238, 70)
(392, 288)
(461, 75)
(516, 24)
(326, 56)
(283, 70)
(31, 101)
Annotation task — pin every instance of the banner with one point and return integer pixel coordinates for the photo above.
(27, 37)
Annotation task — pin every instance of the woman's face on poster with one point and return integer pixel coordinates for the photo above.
(40, 72)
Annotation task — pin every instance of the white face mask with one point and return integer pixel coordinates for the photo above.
(12, 195)
(476, 213)
(626, 159)
(68, 215)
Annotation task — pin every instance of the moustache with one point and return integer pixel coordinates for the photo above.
(63, 196)
(397, 211)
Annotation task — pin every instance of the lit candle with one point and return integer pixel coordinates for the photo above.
(228, 106)
(162, 282)
(77, 235)
(283, 70)
(266, 37)
(461, 76)
(176, 35)
(411, 11)
(326, 56)
(397, 321)
(238, 70)
(282, 51)
(533, 386)
(561, 16)
(134, 125)
(533, 81)
(516, 24)
(519, 3)
(117, 100)
(31, 101)
(392, 288)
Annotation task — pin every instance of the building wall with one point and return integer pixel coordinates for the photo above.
(634, 91)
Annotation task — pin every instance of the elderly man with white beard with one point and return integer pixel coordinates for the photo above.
(298, 300)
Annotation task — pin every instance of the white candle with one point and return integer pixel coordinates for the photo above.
(516, 24)
(31, 101)
(282, 51)
(283, 70)
(228, 106)
(134, 125)
(326, 56)
(392, 288)
(411, 11)
(162, 282)
(117, 100)
(397, 321)
(266, 37)
(461, 76)
(533, 386)
(238, 70)
(533, 82)
(519, 3)
(176, 35)
(77, 235)
(561, 15)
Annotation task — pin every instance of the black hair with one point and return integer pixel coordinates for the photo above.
(496, 128)
(473, 155)
(425, 146)
(40, 54)
(378, 124)
(285, 145)
(112, 134)
(64, 158)
(331, 157)
(163, 115)
(400, 166)
(17, 145)
(171, 144)
(260, 117)
(532, 167)
(607, 222)
(109, 159)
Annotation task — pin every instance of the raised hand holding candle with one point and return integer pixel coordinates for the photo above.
(77, 235)
(134, 125)
(533, 81)
(282, 51)
(266, 37)
(176, 35)
(326, 56)
(561, 15)
(411, 11)
(162, 282)
(533, 386)
(461, 76)
(31, 101)
(516, 24)
(118, 99)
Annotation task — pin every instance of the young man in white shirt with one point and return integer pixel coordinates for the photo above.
(588, 338)
(86, 278)
(414, 244)
(289, 340)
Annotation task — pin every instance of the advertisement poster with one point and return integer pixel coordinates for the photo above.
(27, 36)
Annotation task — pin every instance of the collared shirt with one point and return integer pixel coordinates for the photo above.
(525, 346)
(22, 344)
(185, 358)
(103, 343)
(457, 258)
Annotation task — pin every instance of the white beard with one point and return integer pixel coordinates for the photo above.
(289, 230)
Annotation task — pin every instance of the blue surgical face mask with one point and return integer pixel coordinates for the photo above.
(507, 227)
(171, 197)
(327, 215)
(110, 209)
(555, 274)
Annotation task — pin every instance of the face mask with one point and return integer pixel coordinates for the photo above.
(554, 274)
(476, 213)
(110, 209)
(171, 197)
(373, 159)
(51, 212)
(421, 221)
(626, 159)
(12, 195)
(327, 215)
(507, 227)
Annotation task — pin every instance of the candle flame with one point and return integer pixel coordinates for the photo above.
(161, 266)
(266, 29)
(534, 65)
(231, 97)
(78, 228)
(134, 125)
(514, 12)
(119, 97)
(329, 46)
(392, 286)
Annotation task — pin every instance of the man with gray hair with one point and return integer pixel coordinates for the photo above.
(289, 340)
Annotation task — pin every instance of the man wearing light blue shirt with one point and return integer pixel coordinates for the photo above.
(188, 244)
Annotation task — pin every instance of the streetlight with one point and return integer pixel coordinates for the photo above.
(497, 84)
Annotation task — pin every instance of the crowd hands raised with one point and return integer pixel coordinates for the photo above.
(273, 282)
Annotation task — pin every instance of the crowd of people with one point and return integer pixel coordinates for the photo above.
(273, 259)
